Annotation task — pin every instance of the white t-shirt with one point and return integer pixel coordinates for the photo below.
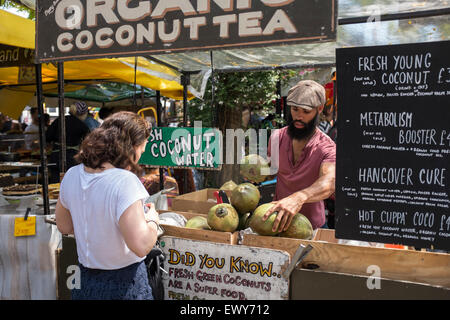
(32, 134)
(96, 202)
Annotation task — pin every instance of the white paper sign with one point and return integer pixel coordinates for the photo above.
(216, 271)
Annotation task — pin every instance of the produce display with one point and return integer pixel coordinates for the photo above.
(198, 223)
(243, 212)
(223, 217)
(251, 167)
(245, 198)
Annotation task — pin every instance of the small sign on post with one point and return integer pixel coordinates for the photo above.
(216, 271)
(198, 148)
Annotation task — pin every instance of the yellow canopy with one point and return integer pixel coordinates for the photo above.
(18, 31)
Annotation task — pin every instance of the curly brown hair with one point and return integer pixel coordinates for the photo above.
(114, 142)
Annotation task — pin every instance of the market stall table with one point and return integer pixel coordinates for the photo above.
(28, 269)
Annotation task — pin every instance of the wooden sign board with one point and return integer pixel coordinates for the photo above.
(81, 29)
(198, 148)
(15, 56)
(200, 270)
(393, 147)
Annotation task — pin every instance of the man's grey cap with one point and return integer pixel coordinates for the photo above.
(306, 94)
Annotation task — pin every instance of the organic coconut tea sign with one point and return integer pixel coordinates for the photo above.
(195, 147)
(75, 29)
(393, 148)
(199, 270)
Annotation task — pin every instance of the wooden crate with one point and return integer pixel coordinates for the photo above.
(198, 201)
(407, 265)
(197, 234)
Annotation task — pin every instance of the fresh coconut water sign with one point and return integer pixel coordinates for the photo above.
(199, 270)
(195, 147)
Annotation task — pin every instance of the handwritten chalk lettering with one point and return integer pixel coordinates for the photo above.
(232, 294)
(238, 265)
(421, 136)
(372, 63)
(405, 77)
(445, 135)
(445, 223)
(175, 257)
(177, 284)
(421, 219)
(178, 295)
(409, 62)
(180, 273)
(393, 217)
(239, 281)
(366, 216)
(206, 289)
(386, 119)
(400, 176)
(210, 262)
(444, 75)
(434, 176)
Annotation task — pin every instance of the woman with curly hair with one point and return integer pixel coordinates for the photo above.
(101, 203)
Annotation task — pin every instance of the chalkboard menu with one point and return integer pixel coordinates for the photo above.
(393, 145)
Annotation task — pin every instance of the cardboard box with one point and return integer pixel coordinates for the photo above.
(197, 234)
(198, 201)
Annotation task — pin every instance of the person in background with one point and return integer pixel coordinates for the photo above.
(101, 202)
(104, 113)
(306, 159)
(76, 130)
(32, 131)
(46, 120)
(91, 122)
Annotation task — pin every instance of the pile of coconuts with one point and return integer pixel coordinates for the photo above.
(243, 212)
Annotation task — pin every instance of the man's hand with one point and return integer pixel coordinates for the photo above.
(287, 208)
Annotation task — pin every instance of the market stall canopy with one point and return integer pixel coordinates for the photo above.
(436, 27)
(20, 32)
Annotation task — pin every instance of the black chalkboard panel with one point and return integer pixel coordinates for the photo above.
(393, 145)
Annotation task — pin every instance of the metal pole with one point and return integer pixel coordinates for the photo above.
(42, 144)
(185, 83)
(278, 101)
(159, 123)
(62, 120)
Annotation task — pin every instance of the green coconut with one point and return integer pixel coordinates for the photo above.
(300, 228)
(223, 217)
(198, 222)
(245, 198)
(263, 228)
(228, 186)
(243, 221)
(251, 167)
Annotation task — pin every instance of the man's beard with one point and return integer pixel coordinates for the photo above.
(306, 131)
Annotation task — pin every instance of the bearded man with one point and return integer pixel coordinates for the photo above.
(306, 159)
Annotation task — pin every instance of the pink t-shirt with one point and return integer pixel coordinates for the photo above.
(295, 177)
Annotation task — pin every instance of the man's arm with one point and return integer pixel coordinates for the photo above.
(288, 207)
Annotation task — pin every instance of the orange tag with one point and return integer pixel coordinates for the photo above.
(24, 227)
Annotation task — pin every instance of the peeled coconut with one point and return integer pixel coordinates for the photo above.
(251, 167)
(300, 228)
(198, 223)
(263, 228)
(245, 198)
(228, 186)
(223, 217)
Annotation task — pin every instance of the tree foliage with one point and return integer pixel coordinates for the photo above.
(9, 4)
